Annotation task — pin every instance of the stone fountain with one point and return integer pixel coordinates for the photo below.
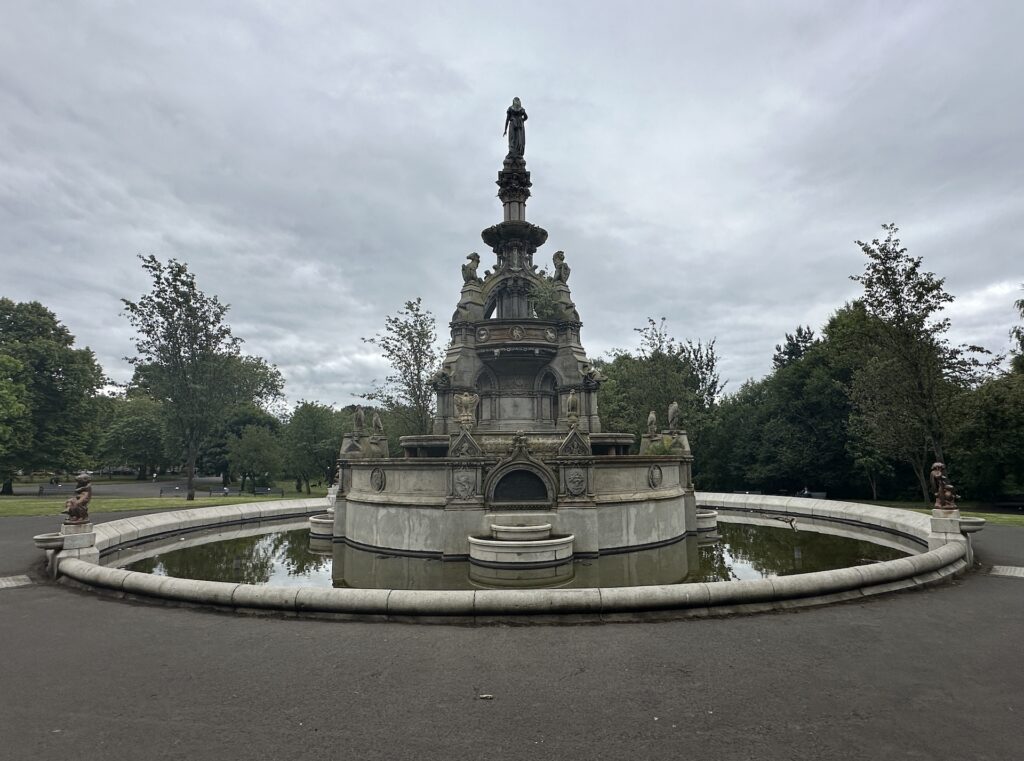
(517, 441)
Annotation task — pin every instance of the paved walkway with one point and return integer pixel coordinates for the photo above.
(933, 674)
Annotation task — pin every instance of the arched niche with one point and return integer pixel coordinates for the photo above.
(546, 388)
(520, 484)
(487, 386)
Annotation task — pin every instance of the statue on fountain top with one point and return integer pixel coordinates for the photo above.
(515, 128)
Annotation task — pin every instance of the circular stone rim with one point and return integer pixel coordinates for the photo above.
(700, 599)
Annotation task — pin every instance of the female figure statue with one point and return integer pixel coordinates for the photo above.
(515, 117)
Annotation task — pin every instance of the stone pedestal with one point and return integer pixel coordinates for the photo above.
(361, 445)
(75, 540)
(666, 442)
(945, 529)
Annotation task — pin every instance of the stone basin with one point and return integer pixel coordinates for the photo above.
(536, 553)
(972, 524)
(521, 532)
(51, 541)
(321, 525)
(707, 520)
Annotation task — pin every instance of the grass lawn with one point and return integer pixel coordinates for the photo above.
(10, 506)
(967, 509)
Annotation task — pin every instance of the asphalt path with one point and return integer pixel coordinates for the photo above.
(104, 488)
(930, 674)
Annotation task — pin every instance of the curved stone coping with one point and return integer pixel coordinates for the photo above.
(683, 599)
(115, 534)
(915, 526)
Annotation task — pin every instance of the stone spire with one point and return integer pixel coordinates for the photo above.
(514, 240)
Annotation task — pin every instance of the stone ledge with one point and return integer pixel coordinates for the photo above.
(699, 599)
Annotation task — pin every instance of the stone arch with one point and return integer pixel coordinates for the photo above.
(520, 483)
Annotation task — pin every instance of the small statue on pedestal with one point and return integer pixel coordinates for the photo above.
(561, 273)
(378, 425)
(465, 408)
(77, 508)
(572, 408)
(469, 270)
(945, 494)
(652, 422)
(673, 416)
(359, 419)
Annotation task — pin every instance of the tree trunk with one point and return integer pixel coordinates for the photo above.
(307, 486)
(298, 485)
(191, 467)
(922, 480)
(8, 488)
(874, 486)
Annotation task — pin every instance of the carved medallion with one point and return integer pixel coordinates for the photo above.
(482, 334)
(575, 481)
(517, 333)
(551, 335)
(378, 480)
(464, 483)
(654, 476)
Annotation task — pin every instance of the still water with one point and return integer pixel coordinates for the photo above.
(283, 557)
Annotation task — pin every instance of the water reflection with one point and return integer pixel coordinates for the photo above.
(289, 558)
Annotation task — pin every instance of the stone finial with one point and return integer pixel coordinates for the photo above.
(378, 425)
(673, 416)
(652, 422)
(359, 419)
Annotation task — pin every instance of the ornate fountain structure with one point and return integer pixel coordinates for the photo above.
(517, 439)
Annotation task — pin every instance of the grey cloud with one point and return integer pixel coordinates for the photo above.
(319, 164)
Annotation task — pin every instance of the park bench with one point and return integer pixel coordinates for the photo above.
(46, 490)
(263, 491)
(812, 495)
(225, 491)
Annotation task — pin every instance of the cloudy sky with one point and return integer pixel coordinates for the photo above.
(318, 164)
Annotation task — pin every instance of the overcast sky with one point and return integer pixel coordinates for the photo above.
(318, 164)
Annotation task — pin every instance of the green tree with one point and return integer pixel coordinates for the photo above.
(659, 371)
(135, 435)
(905, 394)
(409, 344)
(213, 453)
(312, 436)
(1017, 335)
(13, 407)
(255, 455)
(192, 361)
(796, 345)
(50, 390)
(989, 446)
